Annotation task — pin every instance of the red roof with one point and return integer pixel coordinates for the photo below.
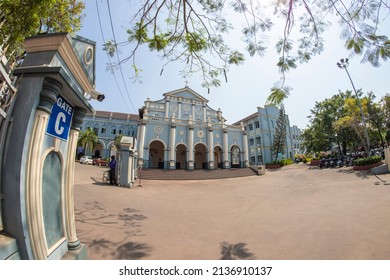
(114, 115)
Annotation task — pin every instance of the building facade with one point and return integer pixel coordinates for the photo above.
(181, 131)
(107, 126)
(261, 127)
(297, 140)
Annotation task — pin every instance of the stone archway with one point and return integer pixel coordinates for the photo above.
(200, 156)
(181, 156)
(218, 157)
(235, 156)
(156, 154)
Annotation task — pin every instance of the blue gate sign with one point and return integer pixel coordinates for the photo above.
(60, 119)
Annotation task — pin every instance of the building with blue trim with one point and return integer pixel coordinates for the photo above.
(181, 131)
(261, 127)
(107, 126)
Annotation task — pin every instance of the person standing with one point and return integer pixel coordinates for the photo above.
(112, 166)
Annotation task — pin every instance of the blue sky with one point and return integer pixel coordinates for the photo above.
(248, 85)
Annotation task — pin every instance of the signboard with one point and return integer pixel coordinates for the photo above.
(60, 119)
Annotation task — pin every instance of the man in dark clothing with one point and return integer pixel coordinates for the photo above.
(112, 166)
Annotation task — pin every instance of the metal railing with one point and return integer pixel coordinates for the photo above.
(7, 94)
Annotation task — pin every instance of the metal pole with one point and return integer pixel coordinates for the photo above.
(343, 65)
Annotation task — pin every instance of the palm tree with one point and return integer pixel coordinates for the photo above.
(87, 139)
(118, 139)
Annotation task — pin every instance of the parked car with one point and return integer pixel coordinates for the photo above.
(86, 160)
(99, 162)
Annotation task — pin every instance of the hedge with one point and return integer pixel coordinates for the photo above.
(367, 160)
(282, 162)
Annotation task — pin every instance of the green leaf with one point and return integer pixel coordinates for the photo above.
(286, 64)
(158, 42)
(236, 58)
(278, 95)
(195, 42)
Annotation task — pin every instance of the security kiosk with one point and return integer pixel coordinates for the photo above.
(127, 162)
(39, 156)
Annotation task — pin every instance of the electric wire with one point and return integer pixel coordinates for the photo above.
(109, 59)
(117, 55)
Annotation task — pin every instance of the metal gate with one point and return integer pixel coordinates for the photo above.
(7, 94)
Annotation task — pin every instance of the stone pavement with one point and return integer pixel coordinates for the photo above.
(293, 213)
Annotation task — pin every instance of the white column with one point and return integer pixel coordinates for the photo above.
(225, 149)
(193, 112)
(73, 242)
(245, 147)
(387, 158)
(179, 110)
(172, 161)
(211, 148)
(34, 187)
(190, 147)
(166, 108)
(70, 224)
(204, 113)
(133, 168)
(141, 143)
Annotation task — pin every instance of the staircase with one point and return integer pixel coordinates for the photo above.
(180, 174)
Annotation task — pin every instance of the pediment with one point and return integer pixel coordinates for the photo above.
(186, 93)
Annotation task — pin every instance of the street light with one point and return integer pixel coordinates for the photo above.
(343, 64)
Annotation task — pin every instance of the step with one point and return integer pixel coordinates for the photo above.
(8, 248)
(162, 174)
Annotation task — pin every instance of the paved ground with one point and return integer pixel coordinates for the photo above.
(292, 213)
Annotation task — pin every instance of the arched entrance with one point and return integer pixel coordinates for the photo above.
(98, 150)
(156, 155)
(200, 156)
(218, 157)
(235, 156)
(181, 156)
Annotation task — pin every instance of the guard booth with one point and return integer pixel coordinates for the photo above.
(127, 162)
(39, 149)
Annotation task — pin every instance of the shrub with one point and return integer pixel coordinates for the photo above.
(282, 162)
(287, 161)
(367, 161)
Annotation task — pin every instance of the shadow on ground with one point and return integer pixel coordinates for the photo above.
(132, 251)
(359, 174)
(127, 222)
(235, 252)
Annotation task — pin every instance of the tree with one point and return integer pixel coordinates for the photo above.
(279, 143)
(21, 19)
(320, 135)
(386, 111)
(338, 120)
(193, 32)
(87, 139)
(353, 117)
(118, 139)
(376, 117)
(325, 127)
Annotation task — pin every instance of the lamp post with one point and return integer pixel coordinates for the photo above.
(343, 64)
